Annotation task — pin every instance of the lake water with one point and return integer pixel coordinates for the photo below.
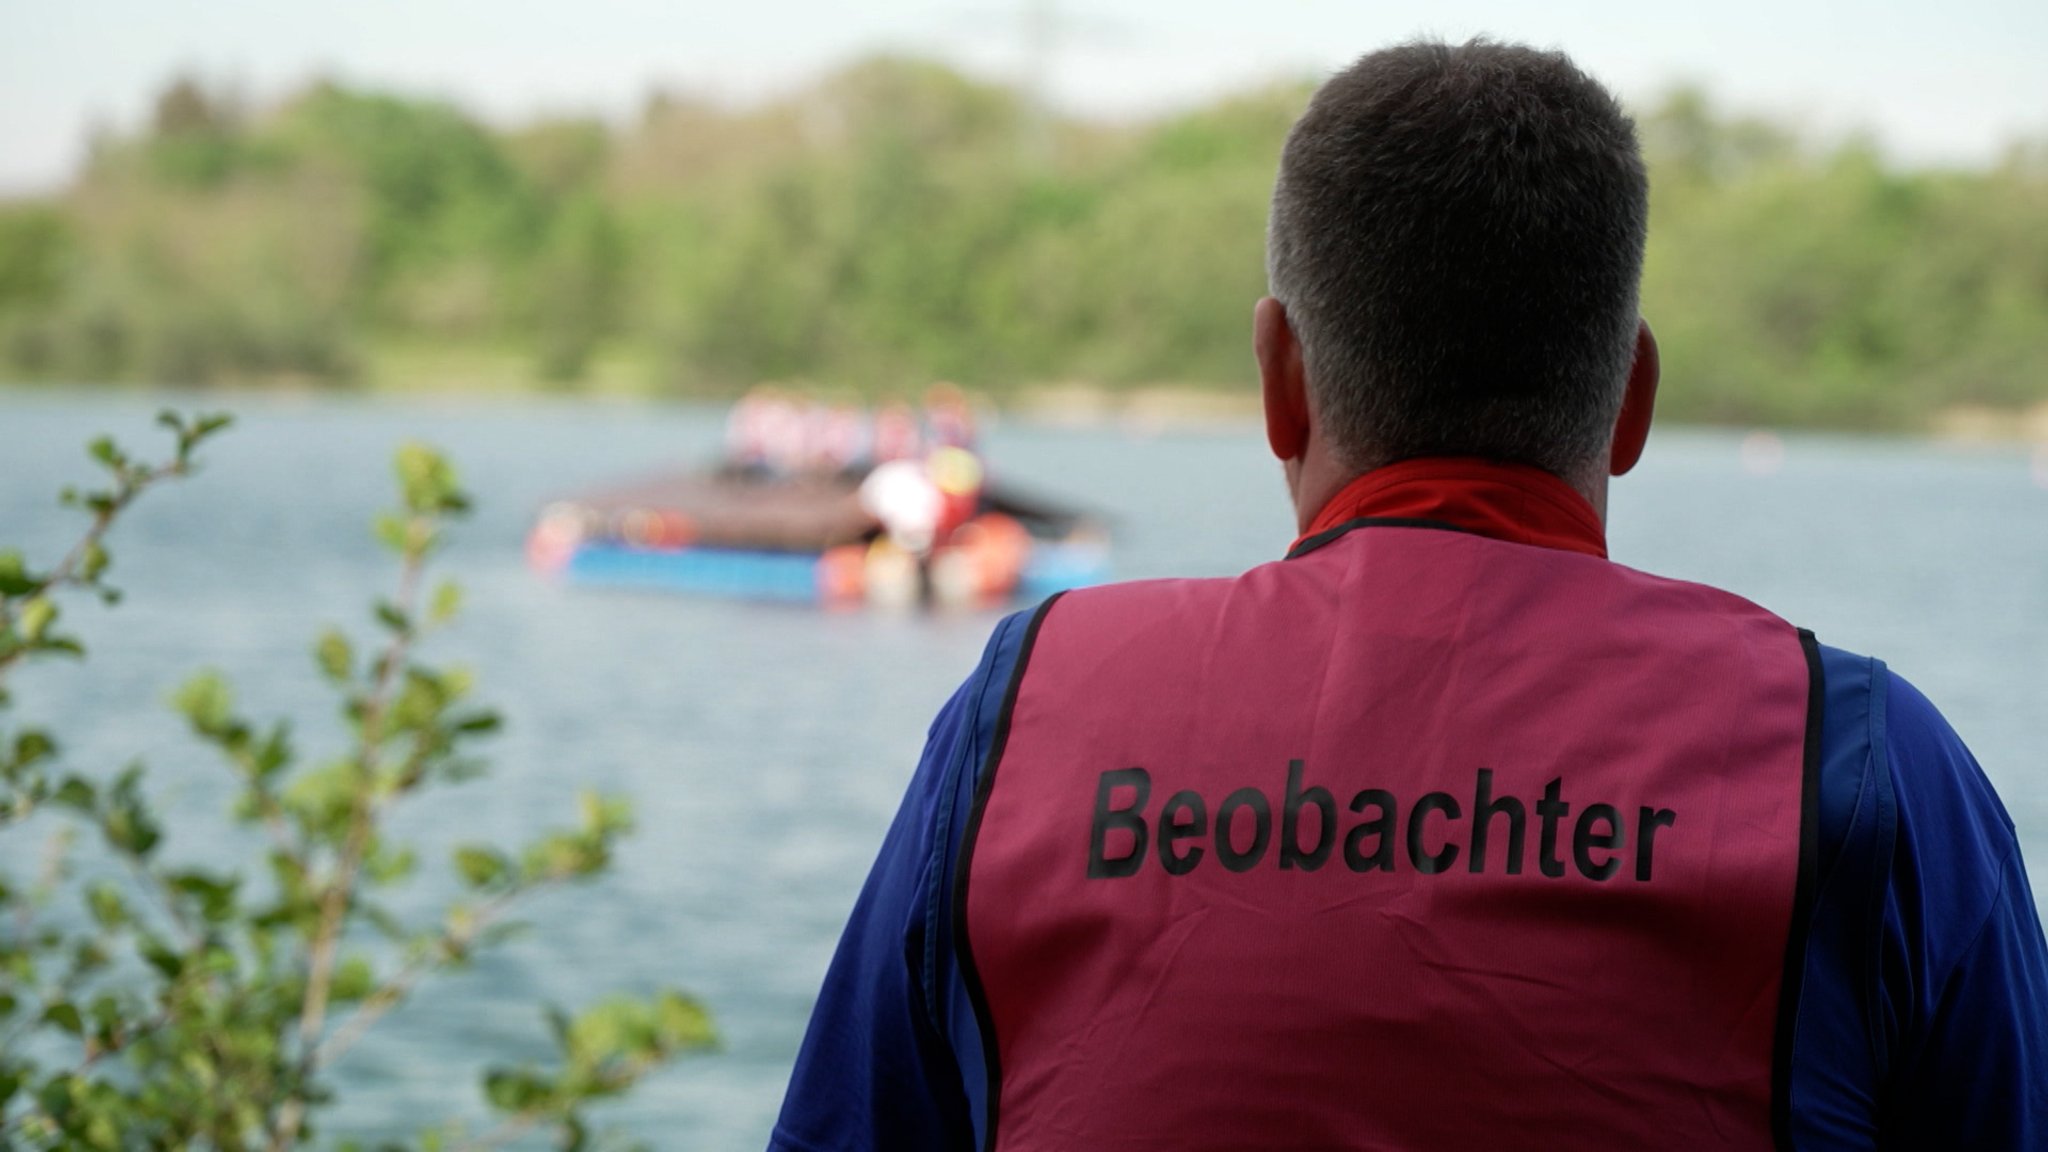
(766, 747)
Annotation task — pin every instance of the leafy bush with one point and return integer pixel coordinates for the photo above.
(155, 1005)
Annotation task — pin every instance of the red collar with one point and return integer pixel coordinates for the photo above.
(1505, 501)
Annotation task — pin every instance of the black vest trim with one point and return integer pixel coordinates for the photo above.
(1324, 537)
(1802, 900)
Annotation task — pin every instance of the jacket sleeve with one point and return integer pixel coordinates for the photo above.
(1923, 1009)
(882, 1067)
(1964, 967)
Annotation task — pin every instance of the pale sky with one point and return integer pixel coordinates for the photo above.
(1940, 82)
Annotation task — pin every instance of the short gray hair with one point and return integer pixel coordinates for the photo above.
(1457, 235)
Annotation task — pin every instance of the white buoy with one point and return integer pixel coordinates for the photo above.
(1763, 453)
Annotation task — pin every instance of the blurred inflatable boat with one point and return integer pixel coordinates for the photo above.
(816, 540)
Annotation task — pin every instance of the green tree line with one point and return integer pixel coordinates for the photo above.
(898, 222)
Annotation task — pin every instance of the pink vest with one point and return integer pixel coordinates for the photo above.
(1419, 840)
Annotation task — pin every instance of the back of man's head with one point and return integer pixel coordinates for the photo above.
(1457, 237)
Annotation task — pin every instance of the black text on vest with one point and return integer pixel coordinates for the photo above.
(1239, 833)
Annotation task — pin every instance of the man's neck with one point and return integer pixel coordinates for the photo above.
(1511, 502)
(1315, 479)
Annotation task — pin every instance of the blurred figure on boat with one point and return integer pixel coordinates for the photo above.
(957, 474)
(936, 543)
(897, 433)
(785, 421)
(948, 418)
(776, 435)
(903, 498)
(748, 432)
(795, 438)
(843, 433)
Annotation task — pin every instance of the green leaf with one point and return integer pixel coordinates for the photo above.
(214, 895)
(516, 1092)
(274, 753)
(605, 815)
(77, 794)
(33, 746)
(87, 956)
(92, 562)
(481, 867)
(107, 1014)
(206, 700)
(336, 657)
(64, 1014)
(354, 979)
(563, 856)
(447, 601)
(389, 615)
(127, 821)
(104, 450)
(427, 481)
(323, 797)
(162, 958)
(35, 619)
(384, 865)
(457, 680)
(394, 532)
(109, 911)
(684, 1022)
(601, 1032)
(14, 577)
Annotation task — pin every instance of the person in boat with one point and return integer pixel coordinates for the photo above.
(920, 505)
(949, 418)
(898, 435)
(784, 419)
(1443, 832)
(748, 431)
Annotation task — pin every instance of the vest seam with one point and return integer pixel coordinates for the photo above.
(1884, 844)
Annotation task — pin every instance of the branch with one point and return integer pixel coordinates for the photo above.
(395, 990)
(131, 484)
(151, 884)
(334, 901)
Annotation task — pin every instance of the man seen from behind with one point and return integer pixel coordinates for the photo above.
(1445, 831)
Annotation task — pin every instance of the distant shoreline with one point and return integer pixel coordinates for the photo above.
(1978, 425)
(1148, 409)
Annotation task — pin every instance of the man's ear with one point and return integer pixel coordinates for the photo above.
(1632, 427)
(1283, 380)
